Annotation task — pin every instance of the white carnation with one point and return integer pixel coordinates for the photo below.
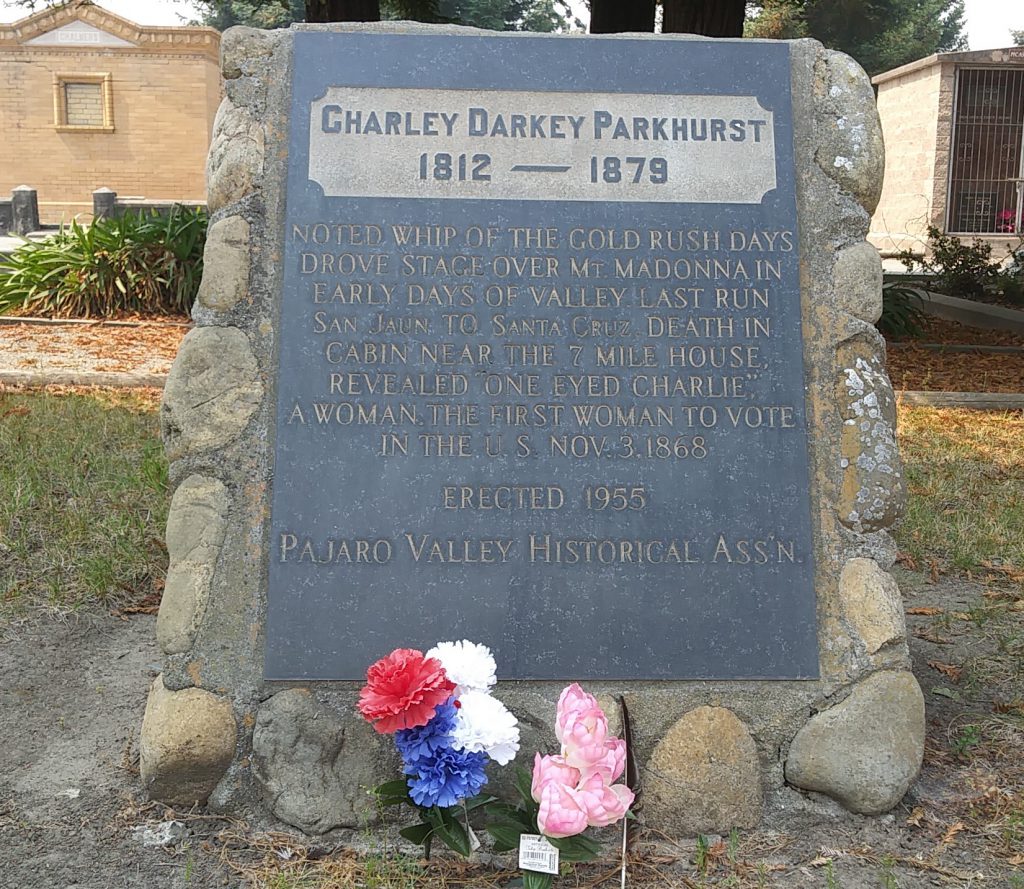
(469, 665)
(484, 724)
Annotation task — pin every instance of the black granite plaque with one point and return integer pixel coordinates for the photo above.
(540, 377)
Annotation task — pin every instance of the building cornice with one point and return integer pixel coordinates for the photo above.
(1012, 55)
(196, 39)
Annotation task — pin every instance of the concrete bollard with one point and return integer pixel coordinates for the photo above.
(104, 203)
(24, 210)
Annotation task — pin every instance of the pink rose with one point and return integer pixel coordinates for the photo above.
(585, 728)
(607, 759)
(552, 769)
(604, 804)
(560, 814)
(573, 700)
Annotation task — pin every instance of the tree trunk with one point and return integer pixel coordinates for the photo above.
(712, 18)
(616, 16)
(342, 10)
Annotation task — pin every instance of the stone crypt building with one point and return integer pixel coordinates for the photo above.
(93, 100)
(954, 149)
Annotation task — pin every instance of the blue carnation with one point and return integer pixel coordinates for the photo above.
(446, 777)
(422, 742)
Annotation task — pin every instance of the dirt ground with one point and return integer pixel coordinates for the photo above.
(72, 692)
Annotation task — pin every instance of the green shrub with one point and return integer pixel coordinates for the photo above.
(147, 263)
(958, 269)
(903, 315)
(1013, 278)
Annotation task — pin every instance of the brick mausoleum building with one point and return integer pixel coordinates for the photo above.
(954, 149)
(92, 100)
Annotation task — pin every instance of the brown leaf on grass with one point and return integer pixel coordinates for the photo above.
(1016, 861)
(929, 635)
(933, 571)
(996, 594)
(20, 411)
(925, 610)
(949, 670)
(950, 835)
(906, 560)
(1011, 571)
(1016, 706)
(149, 605)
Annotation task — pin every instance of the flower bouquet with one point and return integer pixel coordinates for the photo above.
(447, 727)
(567, 793)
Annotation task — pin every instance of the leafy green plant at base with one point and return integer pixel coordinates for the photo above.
(700, 859)
(830, 876)
(888, 874)
(507, 823)
(148, 263)
(435, 822)
(903, 314)
(966, 740)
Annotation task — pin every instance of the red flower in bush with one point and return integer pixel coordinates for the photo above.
(402, 690)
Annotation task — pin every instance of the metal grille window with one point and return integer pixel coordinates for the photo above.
(986, 182)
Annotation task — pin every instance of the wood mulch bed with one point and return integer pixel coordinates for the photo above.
(916, 368)
(147, 348)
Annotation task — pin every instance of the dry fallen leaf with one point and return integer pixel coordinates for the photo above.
(927, 611)
(953, 672)
(1016, 706)
(906, 560)
(930, 635)
(916, 817)
(950, 834)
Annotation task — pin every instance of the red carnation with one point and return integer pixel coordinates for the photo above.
(402, 690)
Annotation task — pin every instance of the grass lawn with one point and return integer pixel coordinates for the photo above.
(83, 500)
(965, 476)
(83, 496)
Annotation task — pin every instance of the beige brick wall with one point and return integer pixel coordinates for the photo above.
(909, 108)
(84, 104)
(163, 108)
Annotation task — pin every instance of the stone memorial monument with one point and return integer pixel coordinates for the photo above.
(560, 344)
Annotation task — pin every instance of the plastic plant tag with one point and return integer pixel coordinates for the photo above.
(537, 854)
(474, 840)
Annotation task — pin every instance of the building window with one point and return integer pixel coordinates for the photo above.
(986, 180)
(83, 103)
